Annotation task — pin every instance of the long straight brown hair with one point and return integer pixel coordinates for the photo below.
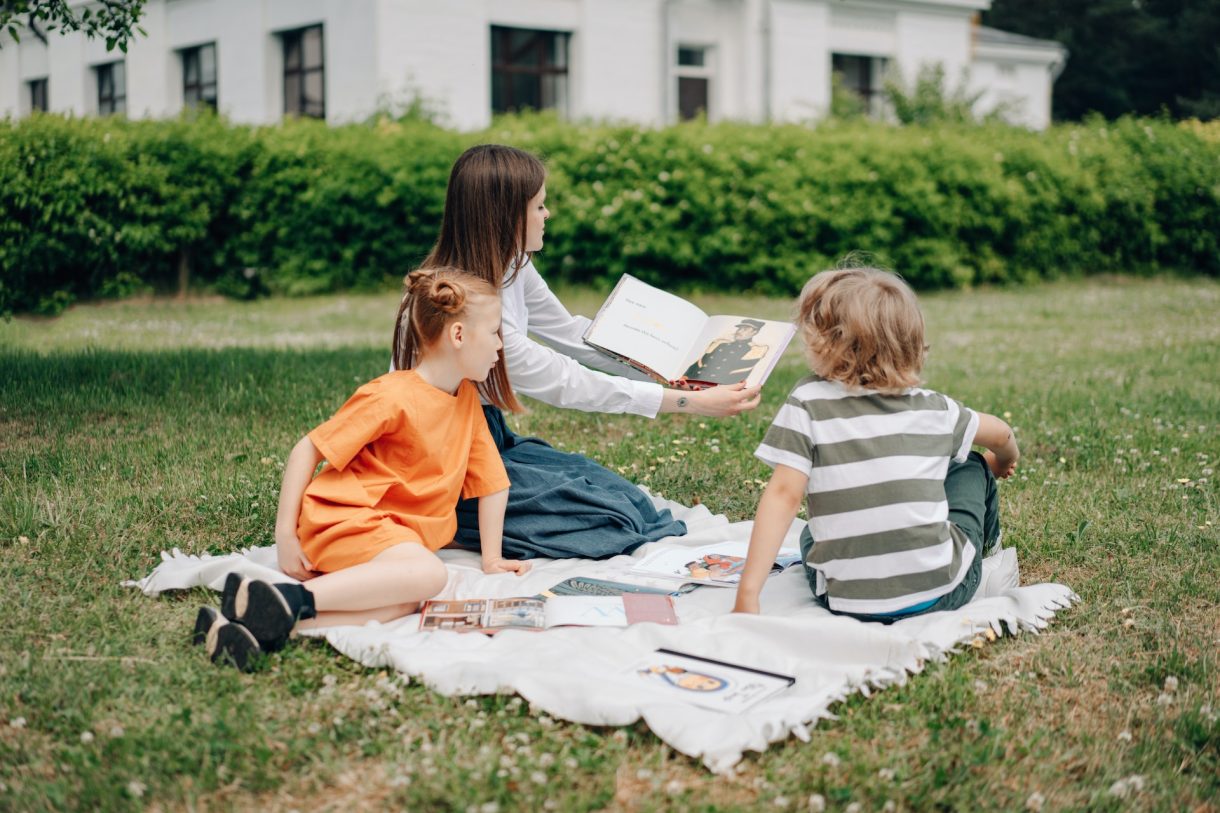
(435, 298)
(483, 228)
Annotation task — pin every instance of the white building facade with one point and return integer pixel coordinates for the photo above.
(647, 61)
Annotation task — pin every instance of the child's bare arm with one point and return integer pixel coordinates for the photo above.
(298, 471)
(776, 510)
(491, 535)
(1001, 443)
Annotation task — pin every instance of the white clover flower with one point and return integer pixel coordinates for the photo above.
(86, 737)
(1164, 699)
(854, 807)
(831, 759)
(1035, 802)
(643, 773)
(546, 760)
(489, 807)
(781, 802)
(817, 803)
(1124, 736)
(890, 806)
(116, 731)
(1126, 787)
(17, 722)
(538, 778)
(135, 789)
(674, 787)
(886, 774)
(1171, 683)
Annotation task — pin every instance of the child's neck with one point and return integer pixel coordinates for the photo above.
(439, 372)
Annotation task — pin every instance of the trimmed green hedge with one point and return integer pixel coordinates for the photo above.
(105, 207)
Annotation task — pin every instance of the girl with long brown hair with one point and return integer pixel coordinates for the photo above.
(561, 504)
(398, 454)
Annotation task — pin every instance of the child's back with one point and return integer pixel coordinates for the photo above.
(876, 494)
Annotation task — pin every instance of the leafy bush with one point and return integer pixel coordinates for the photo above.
(106, 207)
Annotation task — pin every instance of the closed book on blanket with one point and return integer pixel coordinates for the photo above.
(492, 615)
(676, 343)
(710, 684)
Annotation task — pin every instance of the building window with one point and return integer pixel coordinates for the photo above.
(529, 70)
(199, 76)
(864, 77)
(694, 76)
(304, 73)
(38, 94)
(111, 88)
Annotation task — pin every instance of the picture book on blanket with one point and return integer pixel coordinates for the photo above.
(675, 342)
(719, 565)
(707, 683)
(492, 615)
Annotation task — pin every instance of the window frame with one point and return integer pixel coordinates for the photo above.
(705, 72)
(116, 102)
(199, 86)
(42, 83)
(301, 72)
(873, 94)
(545, 42)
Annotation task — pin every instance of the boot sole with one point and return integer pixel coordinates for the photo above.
(229, 643)
(263, 610)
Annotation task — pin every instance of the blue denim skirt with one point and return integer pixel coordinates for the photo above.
(563, 505)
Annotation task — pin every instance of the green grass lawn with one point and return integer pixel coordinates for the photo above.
(134, 427)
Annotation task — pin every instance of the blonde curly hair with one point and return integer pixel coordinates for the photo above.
(863, 328)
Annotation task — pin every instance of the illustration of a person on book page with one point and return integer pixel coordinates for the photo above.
(682, 678)
(730, 358)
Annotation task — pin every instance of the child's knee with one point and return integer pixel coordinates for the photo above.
(432, 575)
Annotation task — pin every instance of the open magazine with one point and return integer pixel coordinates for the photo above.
(492, 615)
(706, 683)
(719, 564)
(675, 342)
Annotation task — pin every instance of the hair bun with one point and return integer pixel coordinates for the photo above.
(447, 296)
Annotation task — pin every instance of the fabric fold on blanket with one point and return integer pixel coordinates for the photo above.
(581, 674)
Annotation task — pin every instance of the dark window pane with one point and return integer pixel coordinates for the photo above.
(105, 82)
(38, 95)
(120, 79)
(693, 57)
(692, 96)
(313, 89)
(190, 67)
(292, 51)
(292, 93)
(528, 69)
(313, 47)
(207, 63)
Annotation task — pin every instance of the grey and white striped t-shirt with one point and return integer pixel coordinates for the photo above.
(876, 464)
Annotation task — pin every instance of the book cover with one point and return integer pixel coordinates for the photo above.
(677, 343)
(711, 684)
(719, 564)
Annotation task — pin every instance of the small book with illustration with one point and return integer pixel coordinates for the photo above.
(492, 615)
(719, 564)
(707, 683)
(675, 342)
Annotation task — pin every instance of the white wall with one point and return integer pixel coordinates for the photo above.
(800, 60)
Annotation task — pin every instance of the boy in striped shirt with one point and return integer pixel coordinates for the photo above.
(901, 510)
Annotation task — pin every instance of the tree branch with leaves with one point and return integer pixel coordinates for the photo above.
(117, 21)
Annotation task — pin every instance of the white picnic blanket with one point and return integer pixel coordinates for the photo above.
(580, 673)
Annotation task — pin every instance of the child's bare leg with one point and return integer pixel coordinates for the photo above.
(357, 618)
(388, 586)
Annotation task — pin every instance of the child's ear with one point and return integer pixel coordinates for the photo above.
(457, 333)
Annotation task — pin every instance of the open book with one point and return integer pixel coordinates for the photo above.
(719, 564)
(706, 683)
(672, 340)
(493, 615)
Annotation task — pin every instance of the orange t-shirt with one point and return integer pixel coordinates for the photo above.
(398, 454)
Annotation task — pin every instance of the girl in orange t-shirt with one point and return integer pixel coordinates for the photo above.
(363, 533)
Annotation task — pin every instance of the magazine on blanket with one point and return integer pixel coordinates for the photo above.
(586, 586)
(707, 683)
(492, 615)
(719, 564)
(676, 343)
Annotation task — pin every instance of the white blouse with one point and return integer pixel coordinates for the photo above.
(555, 372)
